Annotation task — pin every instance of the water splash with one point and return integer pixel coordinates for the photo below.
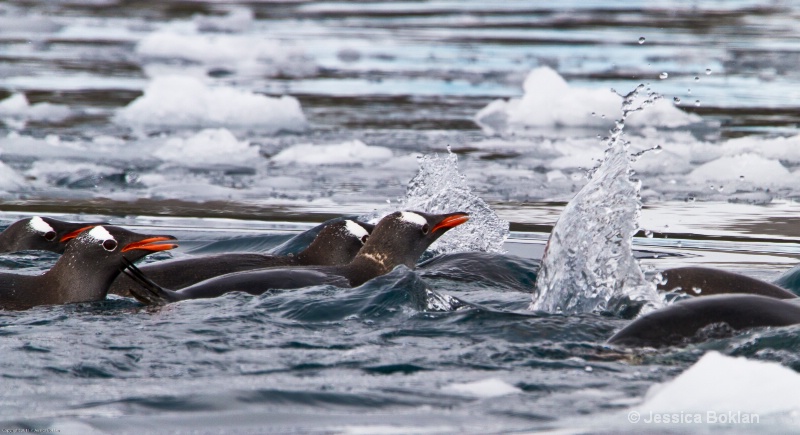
(439, 187)
(588, 264)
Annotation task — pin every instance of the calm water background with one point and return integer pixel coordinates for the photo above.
(408, 76)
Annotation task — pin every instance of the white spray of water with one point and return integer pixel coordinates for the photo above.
(588, 264)
(439, 187)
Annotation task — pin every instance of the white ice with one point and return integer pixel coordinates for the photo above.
(549, 101)
(350, 152)
(233, 52)
(181, 101)
(17, 107)
(485, 388)
(209, 147)
(720, 383)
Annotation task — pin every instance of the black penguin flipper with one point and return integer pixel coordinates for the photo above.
(148, 292)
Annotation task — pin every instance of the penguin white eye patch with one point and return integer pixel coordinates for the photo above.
(413, 218)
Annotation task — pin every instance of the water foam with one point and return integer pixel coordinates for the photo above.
(588, 264)
(183, 101)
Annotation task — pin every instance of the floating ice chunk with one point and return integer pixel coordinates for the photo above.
(722, 384)
(350, 152)
(180, 101)
(786, 149)
(209, 147)
(754, 168)
(72, 174)
(408, 163)
(236, 20)
(10, 180)
(666, 162)
(549, 101)
(491, 387)
(239, 53)
(555, 175)
(17, 106)
(13, 24)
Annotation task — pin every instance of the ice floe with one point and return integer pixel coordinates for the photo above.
(181, 101)
(721, 384)
(350, 152)
(231, 52)
(209, 147)
(236, 20)
(17, 107)
(748, 166)
(485, 388)
(549, 101)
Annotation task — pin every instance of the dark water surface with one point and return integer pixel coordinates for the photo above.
(409, 77)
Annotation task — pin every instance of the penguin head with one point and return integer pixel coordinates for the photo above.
(338, 243)
(40, 234)
(402, 237)
(109, 244)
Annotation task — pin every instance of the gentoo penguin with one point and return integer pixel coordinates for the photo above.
(40, 234)
(681, 321)
(399, 238)
(703, 281)
(337, 243)
(84, 272)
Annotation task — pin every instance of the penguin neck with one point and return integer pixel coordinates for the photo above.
(371, 263)
(9, 240)
(324, 251)
(309, 256)
(79, 278)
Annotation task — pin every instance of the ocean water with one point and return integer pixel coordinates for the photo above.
(236, 125)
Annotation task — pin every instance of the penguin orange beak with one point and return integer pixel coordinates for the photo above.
(152, 244)
(72, 235)
(451, 221)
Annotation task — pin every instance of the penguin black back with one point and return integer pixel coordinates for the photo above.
(399, 238)
(681, 321)
(704, 281)
(336, 244)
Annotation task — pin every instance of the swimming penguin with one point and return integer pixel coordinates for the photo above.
(703, 281)
(681, 321)
(399, 238)
(337, 243)
(40, 234)
(84, 272)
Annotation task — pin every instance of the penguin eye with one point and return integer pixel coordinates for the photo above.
(425, 229)
(50, 236)
(110, 245)
(364, 238)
